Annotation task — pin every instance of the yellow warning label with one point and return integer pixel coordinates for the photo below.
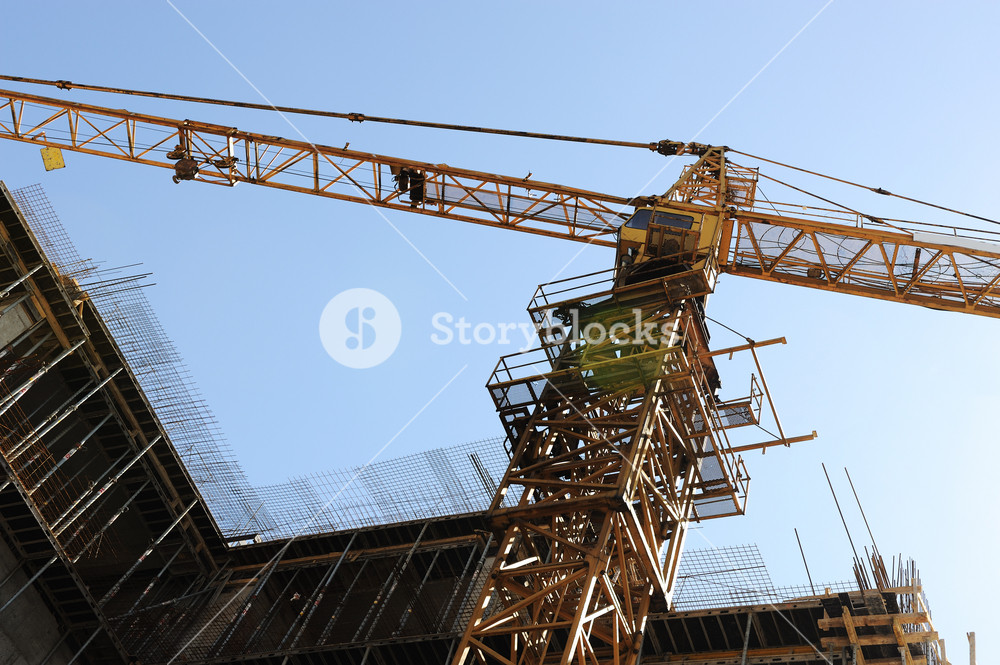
(52, 158)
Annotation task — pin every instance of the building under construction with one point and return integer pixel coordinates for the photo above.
(130, 534)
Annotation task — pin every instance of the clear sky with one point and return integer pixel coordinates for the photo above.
(901, 95)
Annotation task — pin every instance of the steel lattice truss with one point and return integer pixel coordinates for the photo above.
(227, 156)
(934, 270)
(611, 460)
(828, 251)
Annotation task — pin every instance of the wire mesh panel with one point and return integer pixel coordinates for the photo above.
(153, 359)
(733, 576)
(443, 481)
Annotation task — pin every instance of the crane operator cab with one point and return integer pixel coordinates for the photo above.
(676, 245)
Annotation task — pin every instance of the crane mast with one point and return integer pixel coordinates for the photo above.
(618, 442)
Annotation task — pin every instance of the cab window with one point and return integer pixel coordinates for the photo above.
(640, 219)
(673, 219)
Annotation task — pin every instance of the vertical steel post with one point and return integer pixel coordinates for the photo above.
(66, 413)
(224, 638)
(52, 441)
(10, 575)
(25, 442)
(65, 484)
(382, 599)
(746, 639)
(68, 481)
(14, 304)
(192, 609)
(42, 405)
(85, 645)
(103, 489)
(265, 622)
(11, 399)
(38, 344)
(317, 596)
(340, 605)
(72, 451)
(52, 651)
(152, 582)
(20, 280)
(29, 582)
(25, 335)
(482, 559)
(408, 610)
(106, 526)
(83, 495)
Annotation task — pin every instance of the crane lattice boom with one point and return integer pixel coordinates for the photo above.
(829, 251)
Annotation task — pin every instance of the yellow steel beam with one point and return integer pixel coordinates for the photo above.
(227, 156)
(933, 270)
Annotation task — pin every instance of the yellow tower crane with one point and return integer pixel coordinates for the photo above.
(617, 443)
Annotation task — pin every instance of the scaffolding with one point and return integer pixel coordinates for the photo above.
(442, 481)
(352, 594)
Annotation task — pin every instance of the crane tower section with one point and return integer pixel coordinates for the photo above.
(618, 438)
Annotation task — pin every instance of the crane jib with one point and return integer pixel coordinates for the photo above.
(951, 273)
(932, 270)
(224, 155)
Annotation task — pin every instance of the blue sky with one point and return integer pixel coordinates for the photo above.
(897, 95)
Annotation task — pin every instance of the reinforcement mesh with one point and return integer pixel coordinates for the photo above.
(443, 481)
(153, 359)
(734, 576)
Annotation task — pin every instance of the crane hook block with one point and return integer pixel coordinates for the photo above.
(185, 169)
